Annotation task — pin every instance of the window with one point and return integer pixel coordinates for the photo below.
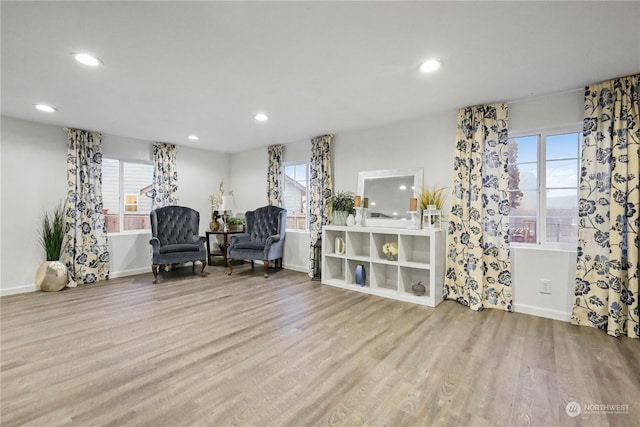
(543, 187)
(126, 195)
(296, 195)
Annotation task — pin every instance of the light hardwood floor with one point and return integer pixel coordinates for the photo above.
(286, 351)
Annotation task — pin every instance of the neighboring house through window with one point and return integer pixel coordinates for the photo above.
(126, 195)
(296, 195)
(544, 169)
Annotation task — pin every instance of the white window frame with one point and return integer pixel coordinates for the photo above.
(308, 216)
(541, 190)
(122, 195)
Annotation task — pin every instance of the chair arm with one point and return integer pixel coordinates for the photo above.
(239, 238)
(198, 239)
(271, 240)
(155, 243)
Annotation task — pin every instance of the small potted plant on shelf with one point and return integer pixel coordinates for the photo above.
(342, 203)
(432, 197)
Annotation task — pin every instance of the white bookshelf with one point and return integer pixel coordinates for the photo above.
(420, 258)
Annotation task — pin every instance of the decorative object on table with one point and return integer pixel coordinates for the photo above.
(418, 289)
(361, 275)
(236, 223)
(351, 221)
(359, 216)
(432, 196)
(227, 205)
(432, 201)
(339, 245)
(216, 202)
(214, 225)
(342, 203)
(391, 251)
(52, 276)
(432, 218)
(414, 223)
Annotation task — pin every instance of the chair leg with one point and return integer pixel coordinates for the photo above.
(154, 269)
(204, 264)
(266, 268)
(230, 266)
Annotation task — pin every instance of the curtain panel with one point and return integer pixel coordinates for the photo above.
(165, 176)
(274, 175)
(478, 267)
(606, 288)
(321, 189)
(85, 249)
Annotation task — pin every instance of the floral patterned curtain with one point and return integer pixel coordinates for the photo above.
(478, 267)
(606, 293)
(274, 175)
(165, 176)
(321, 183)
(86, 249)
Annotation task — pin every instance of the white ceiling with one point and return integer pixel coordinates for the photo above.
(176, 68)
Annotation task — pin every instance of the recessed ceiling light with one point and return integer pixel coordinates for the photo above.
(86, 59)
(261, 117)
(46, 108)
(429, 66)
(193, 137)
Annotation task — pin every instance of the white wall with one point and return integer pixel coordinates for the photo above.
(34, 175)
(34, 179)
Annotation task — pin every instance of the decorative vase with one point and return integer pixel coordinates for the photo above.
(339, 245)
(351, 221)
(339, 218)
(51, 276)
(361, 275)
(418, 289)
(391, 257)
(214, 225)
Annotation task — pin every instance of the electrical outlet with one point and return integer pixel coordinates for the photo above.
(545, 286)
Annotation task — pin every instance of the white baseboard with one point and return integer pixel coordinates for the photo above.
(133, 272)
(542, 312)
(300, 268)
(112, 275)
(18, 290)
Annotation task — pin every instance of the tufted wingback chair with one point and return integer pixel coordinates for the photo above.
(263, 240)
(175, 239)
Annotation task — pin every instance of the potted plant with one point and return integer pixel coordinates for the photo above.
(52, 274)
(342, 203)
(432, 197)
(236, 223)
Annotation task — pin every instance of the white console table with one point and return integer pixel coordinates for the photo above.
(420, 258)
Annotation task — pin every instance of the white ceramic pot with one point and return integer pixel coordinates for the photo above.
(51, 276)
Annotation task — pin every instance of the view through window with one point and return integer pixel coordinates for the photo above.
(126, 195)
(295, 196)
(543, 187)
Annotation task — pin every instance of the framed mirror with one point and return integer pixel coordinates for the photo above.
(389, 193)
